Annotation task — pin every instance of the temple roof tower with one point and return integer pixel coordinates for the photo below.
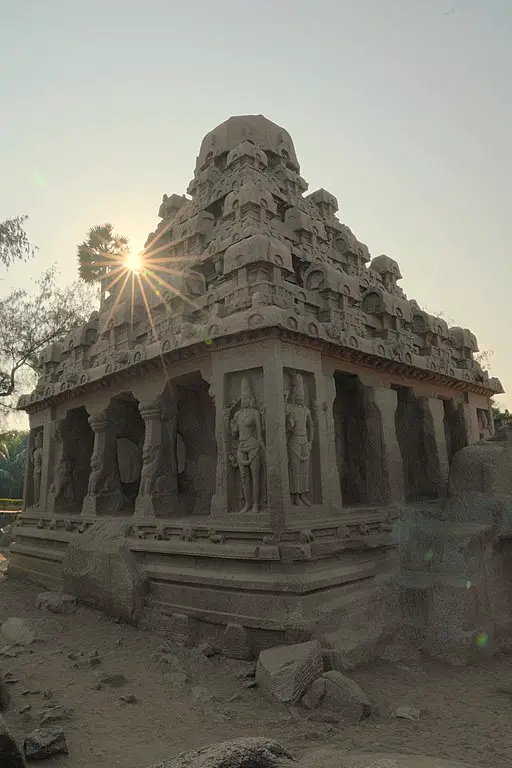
(248, 249)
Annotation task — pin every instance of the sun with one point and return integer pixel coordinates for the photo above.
(133, 261)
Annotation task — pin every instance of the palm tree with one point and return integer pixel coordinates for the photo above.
(101, 253)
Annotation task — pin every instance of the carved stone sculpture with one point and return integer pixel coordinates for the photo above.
(300, 430)
(63, 486)
(159, 478)
(246, 425)
(37, 467)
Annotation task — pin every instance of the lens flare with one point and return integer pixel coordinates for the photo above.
(482, 640)
(133, 261)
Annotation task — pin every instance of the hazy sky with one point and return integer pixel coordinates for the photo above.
(401, 108)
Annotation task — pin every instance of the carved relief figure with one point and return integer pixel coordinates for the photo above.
(63, 486)
(37, 465)
(300, 430)
(246, 425)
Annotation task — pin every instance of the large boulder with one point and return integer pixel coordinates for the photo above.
(334, 758)
(237, 753)
(10, 755)
(100, 570)
(286, 672)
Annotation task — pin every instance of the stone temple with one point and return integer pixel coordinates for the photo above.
(259, 430)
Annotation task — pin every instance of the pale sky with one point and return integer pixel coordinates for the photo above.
(401, 108)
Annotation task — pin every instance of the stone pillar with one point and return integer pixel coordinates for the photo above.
(386, 401)
(104, 494)
(278, 484)
(219, 503)
(158, 494)
(436, 408)
(331, 487)
(59, 479)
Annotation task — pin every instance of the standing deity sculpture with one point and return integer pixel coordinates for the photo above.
(246, 425)
(37, 467)
(300, 431)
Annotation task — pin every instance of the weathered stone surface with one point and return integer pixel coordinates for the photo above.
(178, 629)
(45, 742)
(236, 643)
(237, 753)
(56, 602)
(345, 696)
(314, 695)
(335, 758)
(23, 632)
(18, 631)
(99, 570)
(285, 673)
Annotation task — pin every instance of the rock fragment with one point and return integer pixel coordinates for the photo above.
(45, 742)
(286, 672)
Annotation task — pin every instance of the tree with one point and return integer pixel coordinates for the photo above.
(29, 322)
(101, 253)
(13, 453)
(14, 243)
(501, 415)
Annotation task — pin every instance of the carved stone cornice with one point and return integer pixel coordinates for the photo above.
(251, 335)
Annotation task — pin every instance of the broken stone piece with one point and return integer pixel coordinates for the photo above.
(285, 673)
(206, 649)
(115, 680)
(345, 696)
(56, 602)
(10, 754)
(128, 698)
(314, 695)
(45, 742)
(407, 713)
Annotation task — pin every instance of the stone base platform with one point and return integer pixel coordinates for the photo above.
(237, 584)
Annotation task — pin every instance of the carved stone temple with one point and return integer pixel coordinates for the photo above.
(265, 412)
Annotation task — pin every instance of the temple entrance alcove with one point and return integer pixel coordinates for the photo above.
(74, 441)
(116, 462)
(415, 430)
(196, 446)
(359, 448)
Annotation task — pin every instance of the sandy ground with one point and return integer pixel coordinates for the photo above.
(463, 716)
